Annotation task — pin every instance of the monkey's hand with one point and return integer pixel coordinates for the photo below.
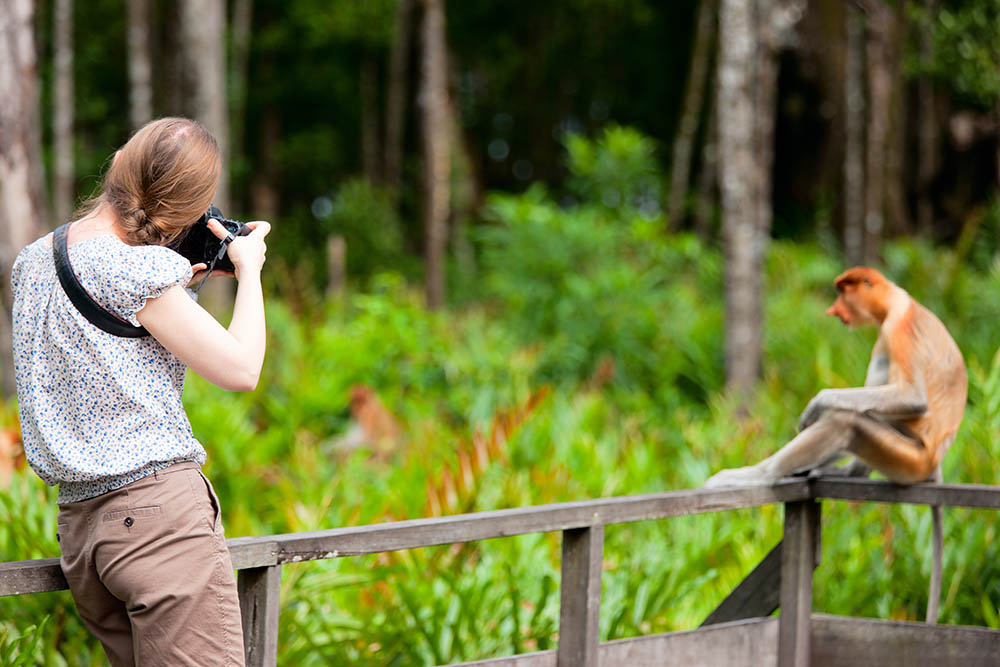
(813, 411)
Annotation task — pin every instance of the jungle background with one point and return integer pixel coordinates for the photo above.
(576, 248)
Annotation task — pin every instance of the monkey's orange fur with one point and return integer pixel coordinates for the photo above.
(923, 359)
(905, 417)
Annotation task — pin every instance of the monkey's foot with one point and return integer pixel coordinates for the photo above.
(737, 477)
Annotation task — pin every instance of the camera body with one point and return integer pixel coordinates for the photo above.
(200, 245)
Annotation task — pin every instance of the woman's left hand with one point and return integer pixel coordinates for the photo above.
(199, 270)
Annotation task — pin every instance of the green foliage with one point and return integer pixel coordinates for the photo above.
(365, 215)
(964, 55)
(618, 170)
(598, 281)
(275, 464)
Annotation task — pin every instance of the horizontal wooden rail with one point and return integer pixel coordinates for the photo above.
(40, 576)
(43, 575)
(259, 559)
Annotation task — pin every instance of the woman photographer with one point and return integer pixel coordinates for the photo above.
(142, 543)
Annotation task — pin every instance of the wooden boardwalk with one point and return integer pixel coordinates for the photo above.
(740, 632)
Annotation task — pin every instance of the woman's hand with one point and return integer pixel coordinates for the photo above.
(230, 358)
(198, 273)
(247, 253)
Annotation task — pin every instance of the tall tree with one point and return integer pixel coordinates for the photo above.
(927, 133)
(437, 159)
(203, 57)
(750, 37)
(63, 189)
(395, 98)
(140, 64)
(368, 98)
(22, 206)
(854, 138)
(203, 40)
(879, 78)
(694, 102)
(240, 24)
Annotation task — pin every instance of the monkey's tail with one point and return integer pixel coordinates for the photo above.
(934, 595)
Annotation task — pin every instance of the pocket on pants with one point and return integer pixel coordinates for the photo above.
(216, 510)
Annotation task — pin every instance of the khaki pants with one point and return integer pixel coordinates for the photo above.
(150, 573)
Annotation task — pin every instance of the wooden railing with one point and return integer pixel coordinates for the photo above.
(740, 631)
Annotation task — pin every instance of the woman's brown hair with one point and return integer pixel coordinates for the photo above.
(161, 181)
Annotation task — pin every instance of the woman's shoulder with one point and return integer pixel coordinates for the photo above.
(121, 257)
(40, 248)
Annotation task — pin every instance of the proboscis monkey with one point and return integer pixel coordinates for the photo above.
(901, 422)
(373, 425)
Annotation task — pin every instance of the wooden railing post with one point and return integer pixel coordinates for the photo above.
(799, 551)
(580, 597)
(260, 601)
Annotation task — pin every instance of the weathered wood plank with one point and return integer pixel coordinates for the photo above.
(353, 541)
(949, 495)
(260, 601)
(839, 641)
(580, 597)
(246, 552)
(538, 659)
(798, 558)
(756, 596)
(746, 642)
(21, 577)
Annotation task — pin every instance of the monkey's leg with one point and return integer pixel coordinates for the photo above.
(875, 443)
(902, 459)
(822, 442)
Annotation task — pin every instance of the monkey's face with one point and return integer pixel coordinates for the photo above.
(852, 306)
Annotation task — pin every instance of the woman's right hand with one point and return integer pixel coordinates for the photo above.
(247, 253)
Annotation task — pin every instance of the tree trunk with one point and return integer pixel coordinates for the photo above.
(465, 194)
(369, 118)
(140, 64)
(897, 213)
(203, 40)
(63, 189)
(879, 97)
(434, 103)
(737, 170)
(927, 134)
(750, 36)
(263, 195)
(854, 146)
(241, 22)
(21, 183)
(694, 101)
(708, 178)
(395, 98)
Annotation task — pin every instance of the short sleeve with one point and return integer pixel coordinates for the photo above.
(132, 274)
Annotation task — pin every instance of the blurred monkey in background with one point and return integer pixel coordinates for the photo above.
(372, 425)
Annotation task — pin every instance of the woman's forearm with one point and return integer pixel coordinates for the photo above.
(247, 325)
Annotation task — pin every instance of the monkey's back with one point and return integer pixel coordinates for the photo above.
(938, 361)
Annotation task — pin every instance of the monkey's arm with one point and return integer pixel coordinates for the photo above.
(892, 401)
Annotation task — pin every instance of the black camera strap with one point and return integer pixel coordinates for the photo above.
(93, 311)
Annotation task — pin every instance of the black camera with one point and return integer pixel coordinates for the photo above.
(200, 245)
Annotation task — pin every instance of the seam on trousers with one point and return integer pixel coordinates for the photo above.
(218, 570)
